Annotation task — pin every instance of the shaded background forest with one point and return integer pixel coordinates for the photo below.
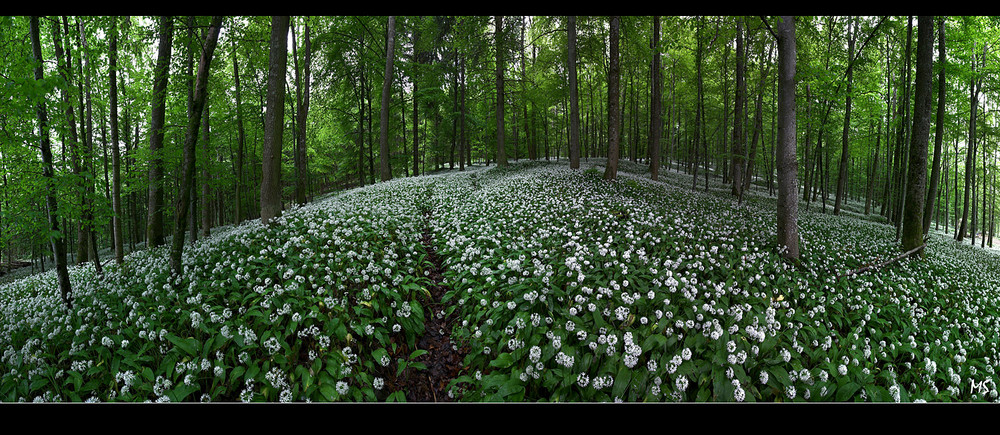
(854, 98)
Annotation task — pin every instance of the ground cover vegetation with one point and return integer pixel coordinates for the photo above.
(507, 208)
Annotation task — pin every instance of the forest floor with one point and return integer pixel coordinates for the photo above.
(521, 284)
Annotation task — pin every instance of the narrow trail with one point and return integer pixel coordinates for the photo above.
(443, 358)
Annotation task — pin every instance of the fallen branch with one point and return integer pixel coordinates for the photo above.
(884, 263)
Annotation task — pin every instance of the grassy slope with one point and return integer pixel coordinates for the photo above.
(564, 287)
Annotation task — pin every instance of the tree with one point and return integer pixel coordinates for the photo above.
(656, 110)
(190, 139)
(913, 219)
(270, 185)
(56, 237)
(240, 141)
(932, 188)
(116, 198)
(788, 205)
(614, 114)
(498, 42)
(383, 136)
(845, 149)
(738, 117)
(574, 99)
(161, 74)
(302, 114)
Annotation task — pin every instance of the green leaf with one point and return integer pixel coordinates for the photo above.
(621, 381)
(329, 393)
(504, 360)
(189, 345)
(846, 392)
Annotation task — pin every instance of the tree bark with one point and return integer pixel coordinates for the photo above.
(270, 185)
(917, 169)
(845, 151)
(932, 189)
(56, 237)
(302, 95)
(614, 115)
(574, 99)
(154, 222)
(116, 201)
(498, 42)
(656, 120)
(788, 206)
(971, 151)
(190, 140)
(738, 104)
(240, 143)
(383, 137)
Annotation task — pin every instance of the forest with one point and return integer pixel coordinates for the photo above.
(499, 208)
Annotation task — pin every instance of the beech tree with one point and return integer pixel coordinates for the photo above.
(190, 139)
(383, 135)
(56, 237)
(161, 75)
(788, 205)
(614, 114)
(270, 185)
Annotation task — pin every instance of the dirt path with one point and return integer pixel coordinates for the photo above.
(443, 359)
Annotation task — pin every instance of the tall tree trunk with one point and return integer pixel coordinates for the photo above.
(788, 205)
(971, 151)
(738, 105)
(116, 201)
(698, 111)
(240, 143)
(270, 185)
(383, 137)
(913, 219)
(206, 174)
(302, 104)
(56, 237)
(463, 146)
(154, 222)
(614, 115)
(845, 151)
(574, 99)
(932, 189)
(498, 42)
(190, 139)
(656, 106)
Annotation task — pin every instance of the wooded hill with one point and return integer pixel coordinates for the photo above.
(121, 132)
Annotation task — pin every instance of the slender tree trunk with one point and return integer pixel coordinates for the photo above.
(788, 206)
(463, 145)
(498, 42)
(913, 219)
(56, 237)
(970, 156)
(614, 115)
(656, 122)
(302, 104)
(154, 222)
(739, 104)
(206, 174)
(938, 129)
(383, 137)
(574, 99)
(190, 140)
(240, 143)
(845, 151)
(270, 185)
(116, 201)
